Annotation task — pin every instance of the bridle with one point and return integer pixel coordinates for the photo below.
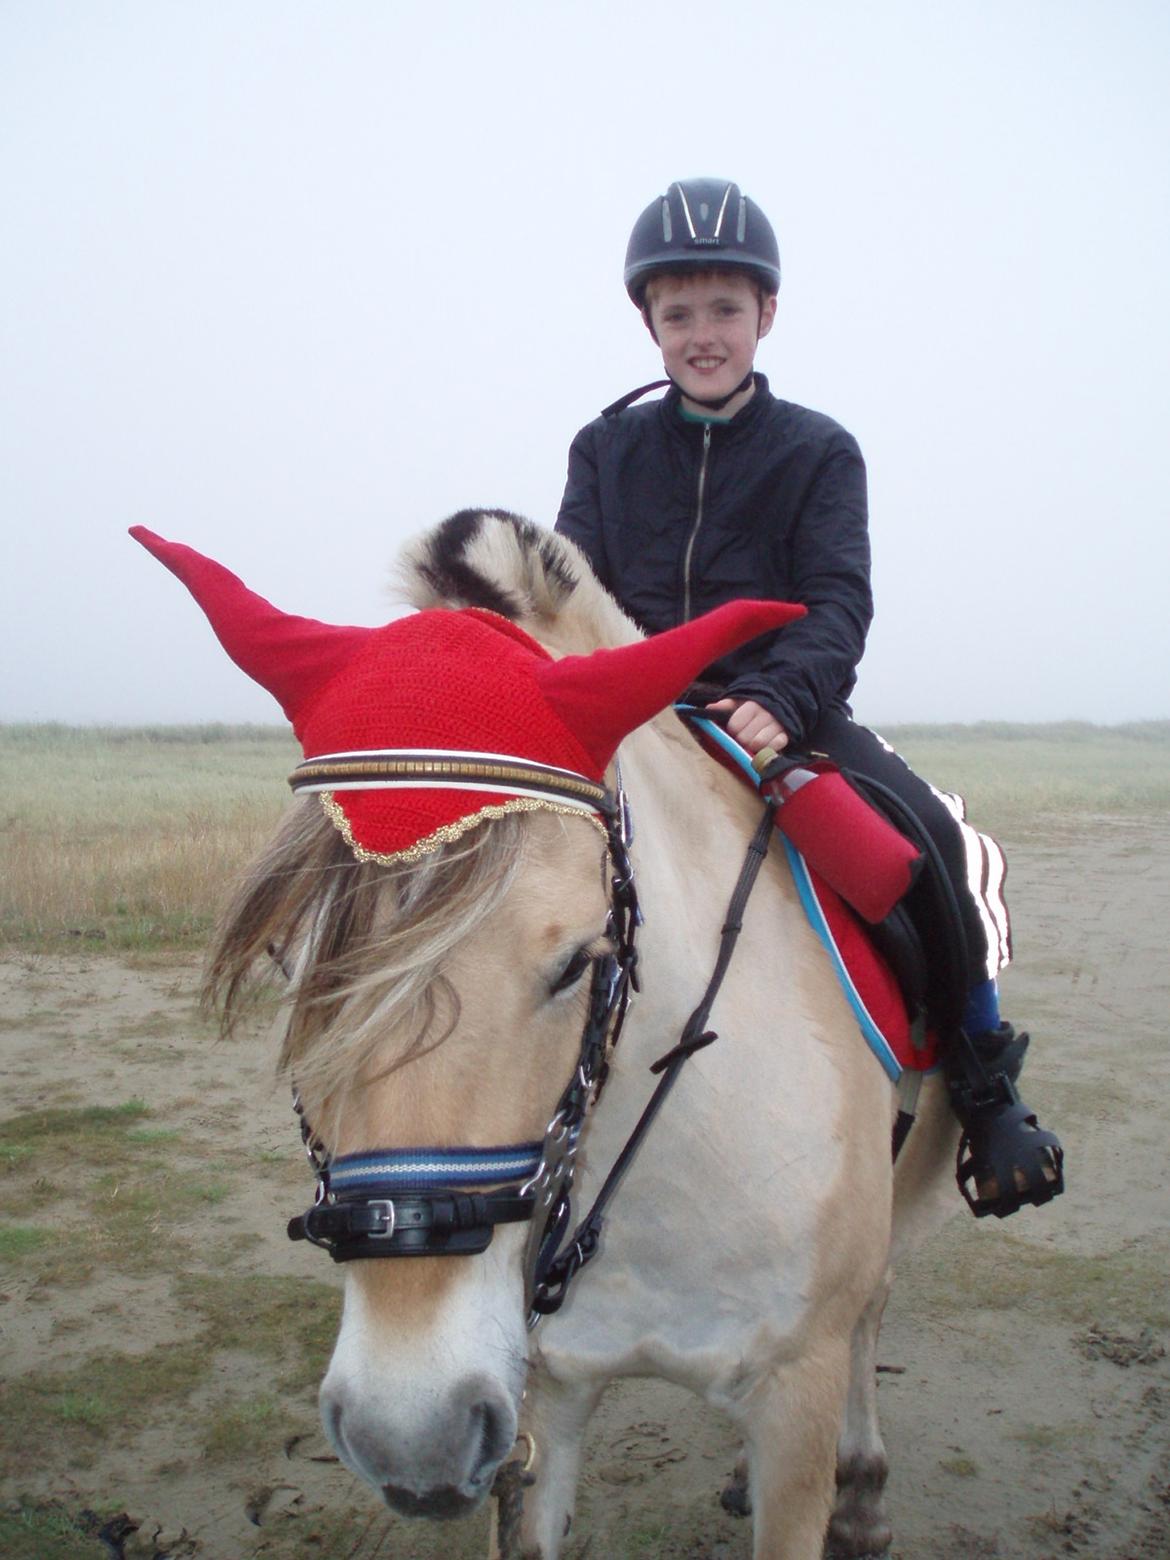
(447, 1201)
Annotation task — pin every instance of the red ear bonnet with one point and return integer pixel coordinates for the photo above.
(466, 683)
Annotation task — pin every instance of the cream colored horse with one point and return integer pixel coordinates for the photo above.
(746, 1255)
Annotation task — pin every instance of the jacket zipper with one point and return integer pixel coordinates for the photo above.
(698, 522)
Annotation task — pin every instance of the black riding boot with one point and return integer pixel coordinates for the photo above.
(1006, 1160)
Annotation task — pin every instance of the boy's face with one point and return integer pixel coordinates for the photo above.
(708, 327)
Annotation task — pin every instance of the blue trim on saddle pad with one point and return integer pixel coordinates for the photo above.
(874, 1038)
(872, 1035)
(425, 1169)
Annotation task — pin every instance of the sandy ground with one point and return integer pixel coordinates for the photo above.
(1025, 1391)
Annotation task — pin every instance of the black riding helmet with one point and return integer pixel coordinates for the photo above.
(700, 223)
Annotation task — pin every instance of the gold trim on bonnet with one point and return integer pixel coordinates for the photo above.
(449, 831)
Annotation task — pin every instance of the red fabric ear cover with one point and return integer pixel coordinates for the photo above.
(456, 681)
(849, 844)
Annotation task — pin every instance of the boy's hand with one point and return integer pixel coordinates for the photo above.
(751, 725)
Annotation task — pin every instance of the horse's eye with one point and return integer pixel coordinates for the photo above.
(281, 959)
(573, 971)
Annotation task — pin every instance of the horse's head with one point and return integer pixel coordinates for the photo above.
(440, 1003)
(438, 926)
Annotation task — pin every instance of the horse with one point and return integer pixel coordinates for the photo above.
(749, 1249)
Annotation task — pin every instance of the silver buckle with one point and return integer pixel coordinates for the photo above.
(385, 1207)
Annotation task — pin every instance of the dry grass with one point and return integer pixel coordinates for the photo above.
(1019, 780)
(127, 838)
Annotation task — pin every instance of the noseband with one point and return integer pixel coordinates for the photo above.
(446, 1202)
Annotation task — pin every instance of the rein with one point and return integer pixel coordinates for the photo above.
(555, 1275)
(447, 1202)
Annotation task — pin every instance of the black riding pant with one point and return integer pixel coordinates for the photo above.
(964, 854)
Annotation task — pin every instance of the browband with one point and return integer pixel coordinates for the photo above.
(389, 768)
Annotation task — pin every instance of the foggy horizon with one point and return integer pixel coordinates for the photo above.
(291, 283)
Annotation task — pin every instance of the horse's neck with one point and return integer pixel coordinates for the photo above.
(772, 1084)
(692, 823)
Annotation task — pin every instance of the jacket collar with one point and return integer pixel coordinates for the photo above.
(744, 420)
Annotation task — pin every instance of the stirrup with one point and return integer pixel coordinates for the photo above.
(1006, 1160)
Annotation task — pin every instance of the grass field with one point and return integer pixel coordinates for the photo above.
(1016, 777)
(126, 837)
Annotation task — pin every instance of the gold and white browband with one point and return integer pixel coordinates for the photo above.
(386, 769)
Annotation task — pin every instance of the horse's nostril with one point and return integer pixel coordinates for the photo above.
(332, 1416)
(495, 1436)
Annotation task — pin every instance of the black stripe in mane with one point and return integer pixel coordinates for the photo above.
(445, 568)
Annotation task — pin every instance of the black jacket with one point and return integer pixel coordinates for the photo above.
(678, 517)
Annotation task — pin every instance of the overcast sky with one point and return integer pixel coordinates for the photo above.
(291, 280)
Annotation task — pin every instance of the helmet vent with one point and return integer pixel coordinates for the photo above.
(667, 227)
(682, 195)
(741, 221)
(722, 210)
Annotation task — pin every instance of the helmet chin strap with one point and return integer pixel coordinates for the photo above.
(717, 405)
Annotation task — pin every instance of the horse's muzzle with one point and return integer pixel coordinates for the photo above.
(440, 1505)
(437, 1465)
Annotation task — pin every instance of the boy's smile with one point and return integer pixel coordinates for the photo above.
(708, 327)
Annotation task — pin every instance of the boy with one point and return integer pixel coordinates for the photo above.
(719, 491)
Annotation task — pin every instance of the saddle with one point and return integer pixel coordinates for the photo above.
(855, 855)
(856, 850)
